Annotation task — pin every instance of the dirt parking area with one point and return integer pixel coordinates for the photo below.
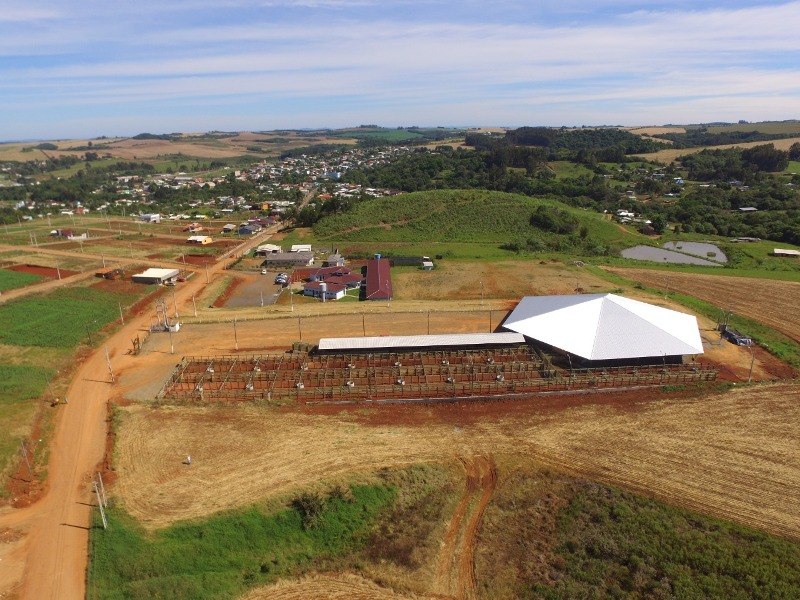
(250, 290)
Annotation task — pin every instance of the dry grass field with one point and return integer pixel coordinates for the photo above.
(773, 303)
(501, 279)
(670, 155)
(734, 455)
(189, 145)
(345, 586)
(649, 131)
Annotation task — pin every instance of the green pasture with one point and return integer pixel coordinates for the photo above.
(483, 220)
(14, 279)
(63, 318)
(223, 556)
(19, 386)
(614, 544)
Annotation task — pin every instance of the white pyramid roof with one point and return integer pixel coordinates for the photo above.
(605, 326)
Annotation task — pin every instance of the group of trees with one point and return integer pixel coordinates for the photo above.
(735, 163)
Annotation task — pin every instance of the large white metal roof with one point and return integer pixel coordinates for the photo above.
(159, 273)
(605, 326)
(420, 341)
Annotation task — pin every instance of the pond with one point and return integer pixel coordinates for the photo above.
(665, 256)
(701, 249)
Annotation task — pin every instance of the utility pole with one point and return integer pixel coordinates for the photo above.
(171, 345)
(108, 363)
(235, 336)
(195, 305)
(262, 298)
(121, 317)
(25, 455)
(102, 488)
(752, 360)
(58, 271)
(300, 329)
(100, 504)
(174, 303)
(104, 260)
(364, 324)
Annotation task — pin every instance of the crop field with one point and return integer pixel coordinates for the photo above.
(60, 319)
(771, 302)
(15, 279)
(726, 455)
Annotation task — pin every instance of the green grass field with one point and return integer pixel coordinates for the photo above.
(61, 319)
(223, 556)
(613, 544)
(385, 135)
(14, 279)
(794, 167)
(19, 385)
(458, 223)
(565, 169)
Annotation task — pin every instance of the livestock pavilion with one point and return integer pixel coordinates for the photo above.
(606, 329)
(556, 344)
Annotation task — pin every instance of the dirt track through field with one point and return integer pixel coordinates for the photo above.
(455, 571)
(771, 302)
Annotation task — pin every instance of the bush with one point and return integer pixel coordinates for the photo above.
(554, 220)
(310, 505)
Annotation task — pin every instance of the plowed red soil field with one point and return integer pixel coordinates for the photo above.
(43, 271)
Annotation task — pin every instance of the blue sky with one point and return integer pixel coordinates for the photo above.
(72, 68)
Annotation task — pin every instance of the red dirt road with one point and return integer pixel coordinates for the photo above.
(55, 530)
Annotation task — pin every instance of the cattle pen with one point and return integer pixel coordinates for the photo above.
(304, 376)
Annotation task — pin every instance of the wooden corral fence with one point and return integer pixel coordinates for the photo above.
(403, 376)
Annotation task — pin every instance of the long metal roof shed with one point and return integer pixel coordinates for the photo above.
(420, 341)
(606, 326)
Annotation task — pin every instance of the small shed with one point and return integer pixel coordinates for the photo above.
(200, 240)
(786, 252)
(156, 276)
(265, 249)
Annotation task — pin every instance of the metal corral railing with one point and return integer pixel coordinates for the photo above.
(302, 377)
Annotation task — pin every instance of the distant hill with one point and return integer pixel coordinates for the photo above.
(472, 216)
